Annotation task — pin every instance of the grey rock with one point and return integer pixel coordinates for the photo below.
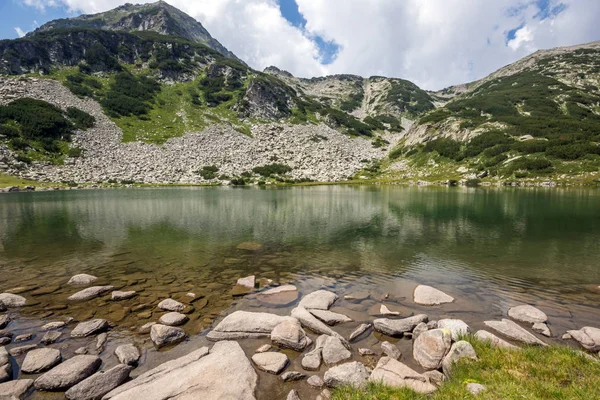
(494, 340)
(293, 395)
(15, 390)
(173, 319)
(588, 337)
(2, 307)
(163, 335)
(366, 352)
(247, 282)
(311, 322)
(82, 279)
(88, 328)
(431, 347)
(4, 321)
(128, 354)
(99, 384)
(244, 325)
(263, 348)
(10, 300)
(334, 351)
(457, 327)
(320, 300)
(349, 374)
(40, 360)
(527, 313)
(270, 362)
(53, 325)
(51, 337)
(459, 351)
(329, 317)
(429, 296)
(391, 350)
(420, 328)
(292, 376)
(4, 356)
(315, 381)
(289, 334)
(360, 330)
(397, 327)
(101, 341)
(68, 373)
(118, 295)
(432, 325)
(280, 295)
(542, 329)
(384, 310)
(90, 293)
(566, 336)
(5, 366)
(224, 372)
(81, 351)
(20, 350)
(312, 360)
(6, 334)
(512, 330)
(435, 377)
(24, 337)
(171, 305)
(393, 373)
(146, 327)
(475, 388)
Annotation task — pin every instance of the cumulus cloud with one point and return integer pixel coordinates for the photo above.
(435, 43)
(19, 31)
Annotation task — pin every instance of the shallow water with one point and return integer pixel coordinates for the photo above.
(489, 248)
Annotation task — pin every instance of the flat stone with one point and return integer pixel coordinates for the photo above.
(360, 330)
(311, 361)
(397, 327)
(431, 347)
(68, 373)
(82, 279)
(366, 352)
(11, 300)
(393, 373)
(460, 350)
(264, 348)
(81, 351)
(90, 293)
(350, 374)
(384, 310)
(475, 388)
(248, 282)
(224, 372)
(244, 325)
(101, 341)
(334, 351)
(51, 337)
(289, 334)
(40, 360)
(309, 321)
(527, 313)
(494, 340)
(163, 335)
(391, 350)
(588, 337)
(329, 317)
(513, 331)
(24, 337)
(4, 321)
(99, 384)
(250, 246)
(19, 351)
(292, 395)
(315, 381)
(173, 319)
(542, 329)
(118, 295)
(320, 300)
(291, 376)
(15, 390)
(88, 328)
(171, 305)
(53, 325)
(128, 354)
(280, 295)
(429, 296)
(457, 327)
(270, 362)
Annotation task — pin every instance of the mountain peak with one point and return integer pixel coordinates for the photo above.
(160, 17)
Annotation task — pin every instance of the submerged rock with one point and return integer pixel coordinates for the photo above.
(350, 374)
(397, 327)
(280, 295)
(53, 325)
(244, 325)
(90, 293)
(163, 335)
(247, 282)
(250, 246)
(270, 362)
(171, 305)
(359, 331)
(68, 374)
(393, 373)
(320, 300)
(99, 384)
(40, 360)
(514, 331)
(292, 376)
(88, 328)
(82, 279)
(527, 313)
(118, 295)
(12, 300)
(431, 347)
(429, 296)
(383, 310)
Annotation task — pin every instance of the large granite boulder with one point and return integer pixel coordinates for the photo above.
(510, 329)
(40, 360)
(90, 293)
(429, 296)
(350, 374)
(527, 313)
(289, 334)
(398, 327)
(16, 390)
(393, 373)
(68, 373)
(431, 347)
(320, 300)
(224, 372)
(245, 325)
(334, 351)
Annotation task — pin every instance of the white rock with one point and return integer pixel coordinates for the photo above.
(334, 351)
(128, 354)
(173, 319)
(393, 373)
(397, 327)
(311, 361)
(350, 374)
(429, 296)
(247, 282)
(514, 331)
(16, 390)
(82, 279)
(53, 325)
(359, 331)
(90, 293)
(494, 340)
(99, 384)
(40, 360)
(542, 329)
(457, 327)
(88, 328)
(527, 313)
(68, 373)
(320, 300)
(588, 337)
(391, 350)
(315, 381)
(293, 395)
(329, 317)
(431, 347)
(118, 295)
(244, 325)
(383, 310)
(171, 305)
(163, 335)
(366, 352)
(311, 322)
(12, 300)
(264, 348)
(289, 334)
(270, 362)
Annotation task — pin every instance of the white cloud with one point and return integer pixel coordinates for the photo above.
(434, 43)
(19, 31)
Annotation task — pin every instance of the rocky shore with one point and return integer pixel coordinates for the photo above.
(309, 350)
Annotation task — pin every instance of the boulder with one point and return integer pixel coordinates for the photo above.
(101, 341)
(224, 372)
(391, 350)
(5, 366)
(245, 325)
(510, 329)
(68, 373)
(315, 381)
(10, 300)
(312, 360)
(99, 384)
(494, 340)
(128, 354)
(334, 351)
(527, 313)
(51, 337)
(457, 327)
(320, 300)
(88, 328)
(173, 319)
(163, 335)
(247, 282)
(458, 351)
(40, 360)
(397, 327)
(82, 279)
(171, 305)
(291, 376)
(431, 347)
(350, 374)
(588, 337)
(24, 337)
(270, 362)
(359, 331)
(118, 295)
(542, 329)
(53, 325)
(280, 295)
(329, 317)
(393, 373)
(16, 390)
(309, 321)
(90, 293)
(289, 334)
(429, 296)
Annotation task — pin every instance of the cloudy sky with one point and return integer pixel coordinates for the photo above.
(435, 43)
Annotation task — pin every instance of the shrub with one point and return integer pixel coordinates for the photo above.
(396, 153)
(37, 119)
(209, 172)
(238, 182)
(130, 95)
(531, 146)
(572, 151)
(80, 119)
(444, 147)
(531, 164)
(75, 152)
(9, 131)
(272, 169)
